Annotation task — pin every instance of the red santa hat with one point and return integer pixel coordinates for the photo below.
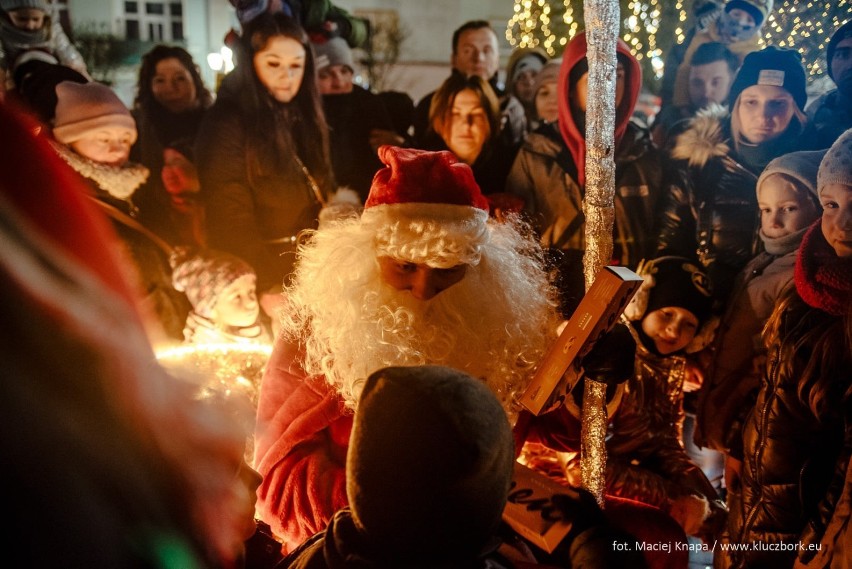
(426, 208)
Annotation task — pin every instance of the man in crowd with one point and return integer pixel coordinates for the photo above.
(475, 52)
(711, 75)
(831, 115)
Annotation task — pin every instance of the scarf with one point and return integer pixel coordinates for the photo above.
(782, 245)
(118, 181)
(24, 39)
(823, 280)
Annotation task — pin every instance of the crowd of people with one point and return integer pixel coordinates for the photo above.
(408, 266)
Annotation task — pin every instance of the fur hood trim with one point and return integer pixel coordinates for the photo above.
(704, 139)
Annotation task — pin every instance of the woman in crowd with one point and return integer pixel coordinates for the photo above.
(263, 155)
(465, 116)
(170, 102)
(711, 212)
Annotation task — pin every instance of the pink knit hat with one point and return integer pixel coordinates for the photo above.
(426, 208)
(85, 107)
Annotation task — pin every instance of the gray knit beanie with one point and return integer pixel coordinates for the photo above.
(800, 166)
(836, 167)
(334, 51)
(11, 5)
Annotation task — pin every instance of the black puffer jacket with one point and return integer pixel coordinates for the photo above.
(711, 210)
(794, 462)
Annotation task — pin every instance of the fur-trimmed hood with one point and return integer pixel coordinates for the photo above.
(705, 138)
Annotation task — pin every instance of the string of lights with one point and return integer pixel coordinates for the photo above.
(651, 27)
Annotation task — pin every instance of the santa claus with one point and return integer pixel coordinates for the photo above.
(421, 277)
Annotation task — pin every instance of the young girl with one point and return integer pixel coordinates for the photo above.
(788, 202)
(93, 133)
(262, 153)
(29, 26)
(221, 288)
(646, 460)
(796, 441)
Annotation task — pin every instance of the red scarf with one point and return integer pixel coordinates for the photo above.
(823, 279)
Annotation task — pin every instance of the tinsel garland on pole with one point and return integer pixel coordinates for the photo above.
(602, 25)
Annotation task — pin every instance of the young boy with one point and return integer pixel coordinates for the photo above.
(28, 30)
(647, 461)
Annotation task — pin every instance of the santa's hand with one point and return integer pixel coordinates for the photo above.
(611, 359)
(578, 507)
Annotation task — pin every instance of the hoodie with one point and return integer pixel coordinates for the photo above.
(574, 137)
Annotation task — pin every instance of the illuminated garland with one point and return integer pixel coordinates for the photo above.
(651, 27)
(227, 369)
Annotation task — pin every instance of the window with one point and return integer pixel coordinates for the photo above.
(161, 20)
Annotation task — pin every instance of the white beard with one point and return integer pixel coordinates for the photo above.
(494, 324)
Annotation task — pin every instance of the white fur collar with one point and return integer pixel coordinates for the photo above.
(704, 139)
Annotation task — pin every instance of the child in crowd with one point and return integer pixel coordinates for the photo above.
(788, 203)
(93, 133)
(429, 470)
(546, 93)
(28, 29)
(669, 317)
(221, 288)
(796, 441)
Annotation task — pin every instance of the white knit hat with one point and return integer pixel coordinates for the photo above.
(836, 166)
(84, 107)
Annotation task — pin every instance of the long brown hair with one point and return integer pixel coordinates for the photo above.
(296, 129)
(441, 108)
(145, 100)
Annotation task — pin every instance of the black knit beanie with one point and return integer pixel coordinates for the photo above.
(429, 463)
(839, 35)
(680, 282)
(776, 66)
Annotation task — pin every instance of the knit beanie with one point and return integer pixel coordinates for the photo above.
(429, 463)
(530, 62)
(839, 35)
(705, 11)
(333, 51)
(801, 166)
(671, 281)
(204, 275)
(836, 166)
(426, 207)
(82, 108)
(775, 66)
(550, 72)
(759, 9)
(11, 5)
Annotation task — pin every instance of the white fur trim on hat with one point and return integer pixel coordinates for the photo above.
(438, 235)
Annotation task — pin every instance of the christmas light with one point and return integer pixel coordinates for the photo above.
(651, 27)
(226, 369)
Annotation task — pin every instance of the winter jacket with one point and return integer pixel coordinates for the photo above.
(739, 355)
(147, 256)
(794, 462)
(544, 177)
(646, 459)
(257, 218)
(710, 211)
(350, 118)
(50, 39)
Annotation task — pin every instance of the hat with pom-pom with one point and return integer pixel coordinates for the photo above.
(82, 108)
(202, 276)
(427, 208)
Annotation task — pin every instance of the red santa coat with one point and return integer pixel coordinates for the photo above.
(301, 441)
